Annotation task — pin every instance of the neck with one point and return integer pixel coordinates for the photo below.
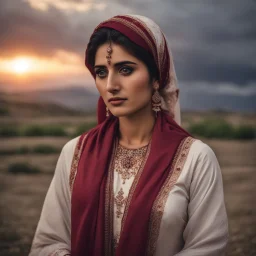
(135, 131)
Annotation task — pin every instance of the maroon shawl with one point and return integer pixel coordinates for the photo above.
(88, 197)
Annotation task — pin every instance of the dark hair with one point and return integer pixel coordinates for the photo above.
(104, 35)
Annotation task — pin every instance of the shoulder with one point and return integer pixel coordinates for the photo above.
(204, 163)
(70, 146)
(68, 152)
(201, 151)
(201, 162)
(194, 152)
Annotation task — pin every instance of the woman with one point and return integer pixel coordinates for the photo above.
(137, 184)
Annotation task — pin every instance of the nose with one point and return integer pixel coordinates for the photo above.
(112, 83)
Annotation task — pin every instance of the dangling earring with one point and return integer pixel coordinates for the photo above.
(156, 101)
(107, 112)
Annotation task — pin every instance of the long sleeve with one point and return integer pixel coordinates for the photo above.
(206, 232)
(52, 235)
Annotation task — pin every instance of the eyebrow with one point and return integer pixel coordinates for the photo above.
(116, 64)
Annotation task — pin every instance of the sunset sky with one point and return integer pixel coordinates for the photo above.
(42, 43)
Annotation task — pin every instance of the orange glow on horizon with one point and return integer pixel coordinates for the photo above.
(60, 63)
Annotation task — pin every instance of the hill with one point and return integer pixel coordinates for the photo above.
(76, 98)
(14, 106)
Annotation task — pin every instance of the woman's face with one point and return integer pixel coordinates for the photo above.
(124, 84)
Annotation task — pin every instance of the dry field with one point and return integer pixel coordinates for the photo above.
(22, 195)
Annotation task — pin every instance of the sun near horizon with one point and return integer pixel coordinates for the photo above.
(24, 71)
(21, 65)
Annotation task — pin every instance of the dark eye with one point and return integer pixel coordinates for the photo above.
(126, 70)
(101, 73)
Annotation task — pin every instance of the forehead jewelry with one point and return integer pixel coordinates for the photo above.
(109, 51)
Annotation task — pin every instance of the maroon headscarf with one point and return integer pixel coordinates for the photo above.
(91, 211)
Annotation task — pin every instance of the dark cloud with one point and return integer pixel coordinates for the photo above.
(210, 41)
(24, 29)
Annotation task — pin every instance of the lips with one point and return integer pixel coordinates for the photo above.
(116, 99)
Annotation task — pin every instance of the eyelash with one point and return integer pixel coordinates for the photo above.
(98, 71)
(130, 70)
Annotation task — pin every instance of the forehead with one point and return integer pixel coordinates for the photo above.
(118, 54)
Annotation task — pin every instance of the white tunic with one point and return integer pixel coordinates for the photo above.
(194, 220)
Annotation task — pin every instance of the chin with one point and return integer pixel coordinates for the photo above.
(127, 112)
(123, 112)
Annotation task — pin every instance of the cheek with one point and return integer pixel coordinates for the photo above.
(141, 86)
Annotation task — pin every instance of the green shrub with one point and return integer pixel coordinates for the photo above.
(39, 149)
(84, 128)
(45, 149)
(15, 151)
(36, 130)
(56, 131)
(4, 152)
(33, 130)
(245, 132)
(4, 111)
(22, 150)
(16, 168)
(10, 131)
(220, 129)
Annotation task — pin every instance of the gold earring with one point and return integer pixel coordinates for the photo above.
(156, 101)
(107, 112)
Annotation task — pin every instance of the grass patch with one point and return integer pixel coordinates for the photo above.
(16, 168)
(39, 149)
(33, 131)
(245, 132)
(220, 129)
(36, 130)
(10, 131)
(4, 111)
(22, 150)
(45, 149)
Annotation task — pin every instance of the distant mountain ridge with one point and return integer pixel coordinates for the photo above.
(18, 108)
(76, 98)
(211, 102)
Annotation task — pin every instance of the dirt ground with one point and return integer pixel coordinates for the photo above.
(22, 196)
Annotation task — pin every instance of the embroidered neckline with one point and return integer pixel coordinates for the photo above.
(131, 149)
(128, 161)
